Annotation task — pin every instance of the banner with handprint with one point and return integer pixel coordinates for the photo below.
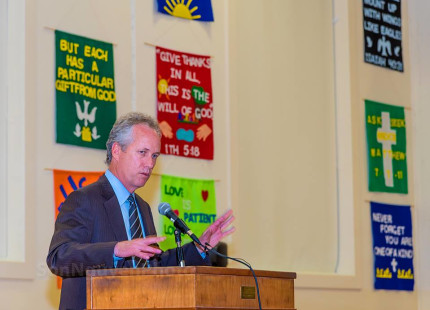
(66, 182)
(185, 104)
(85, 90)
(382, 23)
(193, 201)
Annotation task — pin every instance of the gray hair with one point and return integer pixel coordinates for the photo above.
(121, 131)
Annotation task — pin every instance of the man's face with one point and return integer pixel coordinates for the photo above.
(134, 165)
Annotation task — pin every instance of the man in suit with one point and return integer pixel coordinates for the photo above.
(98, 226)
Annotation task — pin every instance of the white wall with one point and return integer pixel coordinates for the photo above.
(314, 291)
(283, 131)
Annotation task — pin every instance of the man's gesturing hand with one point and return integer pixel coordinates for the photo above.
(218, 230)
(144, 248)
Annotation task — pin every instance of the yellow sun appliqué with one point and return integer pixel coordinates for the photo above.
(162, 87)
(181, 9)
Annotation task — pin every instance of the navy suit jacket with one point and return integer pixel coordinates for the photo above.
(88, 227)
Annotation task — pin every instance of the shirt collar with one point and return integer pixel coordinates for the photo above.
(121, 192)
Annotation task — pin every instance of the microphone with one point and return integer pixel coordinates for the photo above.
(165, 209)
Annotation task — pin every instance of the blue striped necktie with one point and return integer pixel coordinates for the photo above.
(135, 228)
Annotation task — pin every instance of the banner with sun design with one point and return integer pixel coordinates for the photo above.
(200, 10)
(184, 104)
(193, 201)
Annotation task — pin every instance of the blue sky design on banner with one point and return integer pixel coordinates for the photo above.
(392, 247)
(200, 10)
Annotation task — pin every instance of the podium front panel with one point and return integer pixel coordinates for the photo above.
(176, 288)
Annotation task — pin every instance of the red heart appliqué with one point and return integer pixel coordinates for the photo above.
(176, 212)
(205, 195)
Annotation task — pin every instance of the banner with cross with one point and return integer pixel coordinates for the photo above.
(85, 90)
(192, 200)
(386, 148)
(392, 246)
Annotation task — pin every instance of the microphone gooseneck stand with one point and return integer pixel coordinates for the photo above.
(179, 251)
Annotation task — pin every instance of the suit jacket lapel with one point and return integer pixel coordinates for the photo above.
(116, 220)
(113, 210)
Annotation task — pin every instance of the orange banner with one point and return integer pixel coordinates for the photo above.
(65, 182)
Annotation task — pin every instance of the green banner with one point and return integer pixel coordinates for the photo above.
(386, 148)
(193, 201)
(85, 90)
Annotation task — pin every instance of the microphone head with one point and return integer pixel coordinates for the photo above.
(163, 208)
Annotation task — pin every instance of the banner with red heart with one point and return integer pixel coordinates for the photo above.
(192, 200)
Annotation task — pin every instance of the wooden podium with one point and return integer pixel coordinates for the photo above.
(186, 288)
